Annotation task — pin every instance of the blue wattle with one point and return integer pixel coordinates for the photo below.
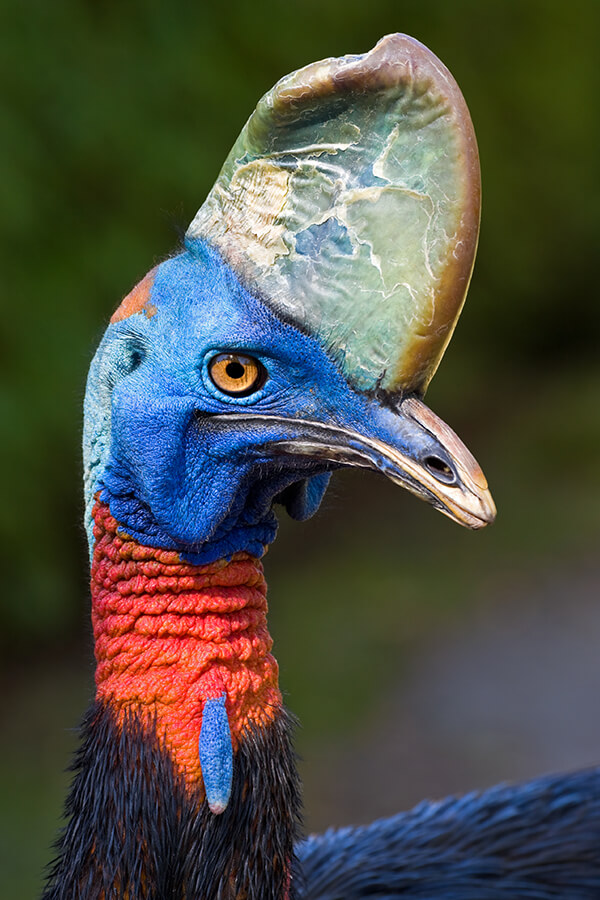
(216, 754)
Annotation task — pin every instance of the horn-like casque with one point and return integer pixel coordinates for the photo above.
(350, 204)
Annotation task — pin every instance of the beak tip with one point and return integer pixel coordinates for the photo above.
(488, 512)
(475, 514)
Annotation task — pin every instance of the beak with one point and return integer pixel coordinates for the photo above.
(413, 448)
(444, 472)
(408, 443)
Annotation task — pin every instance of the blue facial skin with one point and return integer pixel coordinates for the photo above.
(175, 476)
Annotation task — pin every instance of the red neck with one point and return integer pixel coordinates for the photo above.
(170, 635)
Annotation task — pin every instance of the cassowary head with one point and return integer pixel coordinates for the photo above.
(298, 330)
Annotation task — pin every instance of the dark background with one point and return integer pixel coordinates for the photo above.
(421, 659)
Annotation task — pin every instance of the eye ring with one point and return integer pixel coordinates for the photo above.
(236, 374)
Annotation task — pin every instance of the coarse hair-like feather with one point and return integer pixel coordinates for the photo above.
(135, 832)
(535, 841)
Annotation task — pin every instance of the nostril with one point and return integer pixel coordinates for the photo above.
(440, 469)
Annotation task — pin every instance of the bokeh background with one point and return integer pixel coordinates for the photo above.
(421, 659)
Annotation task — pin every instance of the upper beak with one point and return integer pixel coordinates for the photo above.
(407, 443)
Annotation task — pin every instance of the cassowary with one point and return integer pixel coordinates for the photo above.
(295, 333)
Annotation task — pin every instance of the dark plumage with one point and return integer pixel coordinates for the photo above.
(535, 841)
(142, 834)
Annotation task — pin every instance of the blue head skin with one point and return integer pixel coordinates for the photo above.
(184, 465)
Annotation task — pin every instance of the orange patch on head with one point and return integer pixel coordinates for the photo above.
(137, 300)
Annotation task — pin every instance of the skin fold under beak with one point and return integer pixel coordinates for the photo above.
(408, 443)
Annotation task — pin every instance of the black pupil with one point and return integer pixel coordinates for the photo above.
(235, 369)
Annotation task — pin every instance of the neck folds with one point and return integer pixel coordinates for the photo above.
(187, 698)
(185, 648)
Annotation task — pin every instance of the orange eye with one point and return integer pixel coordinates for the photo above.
(237, 375)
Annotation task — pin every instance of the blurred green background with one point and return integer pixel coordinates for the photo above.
(420, 658)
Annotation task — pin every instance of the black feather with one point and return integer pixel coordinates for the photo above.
(134, 832)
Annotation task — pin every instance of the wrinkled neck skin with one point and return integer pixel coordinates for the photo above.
(186, 686)
(171, 636)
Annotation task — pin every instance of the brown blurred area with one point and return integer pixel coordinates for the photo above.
(420, 659)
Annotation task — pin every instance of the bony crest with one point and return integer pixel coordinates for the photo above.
(351, 203)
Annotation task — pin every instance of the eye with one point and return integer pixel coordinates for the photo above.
(236, 374)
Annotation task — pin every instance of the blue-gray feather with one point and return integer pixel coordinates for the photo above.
(534, 841)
